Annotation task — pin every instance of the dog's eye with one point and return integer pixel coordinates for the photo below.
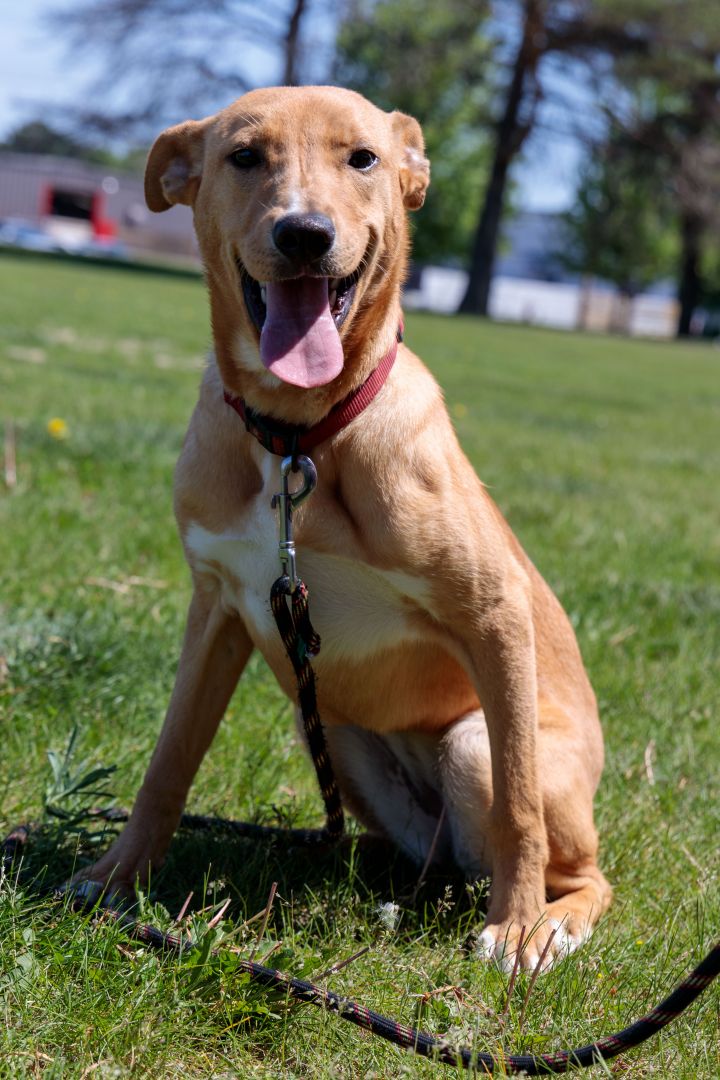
(245, 157)
(362, 160)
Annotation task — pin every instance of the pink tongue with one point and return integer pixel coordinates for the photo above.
(299, 341)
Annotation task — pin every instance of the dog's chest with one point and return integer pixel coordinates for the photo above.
(359, 610)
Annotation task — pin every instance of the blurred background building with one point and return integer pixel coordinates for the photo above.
(84, 207)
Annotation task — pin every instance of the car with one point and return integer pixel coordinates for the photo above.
(102, 249)
(21, 234)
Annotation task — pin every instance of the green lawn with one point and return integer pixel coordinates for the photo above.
(605, 456)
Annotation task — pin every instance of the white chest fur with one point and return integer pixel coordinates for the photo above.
(357, 609)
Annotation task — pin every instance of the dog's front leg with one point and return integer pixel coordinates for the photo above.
(215, 651)
(502, 659)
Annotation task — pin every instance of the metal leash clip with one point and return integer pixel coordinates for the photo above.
(287, 501)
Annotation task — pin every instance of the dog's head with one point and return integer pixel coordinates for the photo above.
(299, 198)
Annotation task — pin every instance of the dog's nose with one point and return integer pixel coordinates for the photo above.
(304, 237)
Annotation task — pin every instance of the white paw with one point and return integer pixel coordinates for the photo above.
(548, 943)
(488, 947)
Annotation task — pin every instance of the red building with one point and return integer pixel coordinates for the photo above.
(76, 203)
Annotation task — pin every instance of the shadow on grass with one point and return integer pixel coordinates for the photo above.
(317, 884)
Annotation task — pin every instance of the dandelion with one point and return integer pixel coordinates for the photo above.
(388, 914)
(57, 428)
(459, 410)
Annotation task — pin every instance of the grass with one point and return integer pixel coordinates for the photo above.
(604, 454)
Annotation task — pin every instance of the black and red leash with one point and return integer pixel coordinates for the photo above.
(409, 1038)
(302, 643)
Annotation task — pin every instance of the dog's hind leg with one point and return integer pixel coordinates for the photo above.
(391, 784)
(575, 888)
(398, 784)
(466, 777)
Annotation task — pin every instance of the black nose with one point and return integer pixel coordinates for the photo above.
(304, 237)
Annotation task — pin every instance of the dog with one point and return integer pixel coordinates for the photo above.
(458, 716)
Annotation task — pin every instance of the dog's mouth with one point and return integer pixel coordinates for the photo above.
(299, 321)
(341, 293)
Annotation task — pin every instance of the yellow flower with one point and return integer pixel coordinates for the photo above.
(460, 410)
(58, 428)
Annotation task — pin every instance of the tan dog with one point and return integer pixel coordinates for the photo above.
(450, 683)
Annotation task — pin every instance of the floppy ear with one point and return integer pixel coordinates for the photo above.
(174, 166)
(414, 166)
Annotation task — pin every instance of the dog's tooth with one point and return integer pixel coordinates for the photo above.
(263, 293)
(332, 298)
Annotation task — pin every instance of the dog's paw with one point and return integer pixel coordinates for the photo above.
(87, 893)
(124, 866)
(542, 943)
(128, 862)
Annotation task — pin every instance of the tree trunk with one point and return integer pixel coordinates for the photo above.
(511, 133)
(584, 302)
(291, 77)
(690, 283)
(621, 311)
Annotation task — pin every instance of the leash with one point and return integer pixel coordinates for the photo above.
(301, 641)
(289, 602)
(409, 1038)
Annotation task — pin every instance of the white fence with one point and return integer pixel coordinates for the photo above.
(548, 303)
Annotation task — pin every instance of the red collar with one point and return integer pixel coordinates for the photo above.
(286, 440)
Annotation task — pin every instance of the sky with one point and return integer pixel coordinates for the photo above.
(35, 69)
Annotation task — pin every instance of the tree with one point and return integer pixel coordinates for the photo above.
(163, 60)
(698, 187)
(428, 59)
(658, 39)
(425, 57)
(670, 106)
(587, 30)
(622, 227)
(37, 137)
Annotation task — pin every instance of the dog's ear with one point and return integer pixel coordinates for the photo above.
(414, 166)
(174, 166)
